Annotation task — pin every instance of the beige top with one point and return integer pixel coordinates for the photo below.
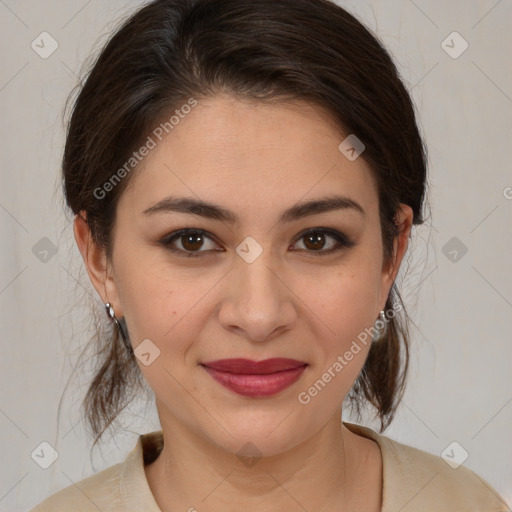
(413, 481)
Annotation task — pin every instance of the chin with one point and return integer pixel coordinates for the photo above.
(258, 434)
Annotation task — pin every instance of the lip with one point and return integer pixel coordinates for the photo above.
(255, 378)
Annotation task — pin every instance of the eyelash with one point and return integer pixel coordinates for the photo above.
(342, 240)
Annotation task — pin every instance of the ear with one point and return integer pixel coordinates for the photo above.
(403, 218)
(95, 260)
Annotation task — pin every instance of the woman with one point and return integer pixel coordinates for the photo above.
(244, 178)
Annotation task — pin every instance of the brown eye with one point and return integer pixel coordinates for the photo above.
(314, 241)
(189, 242)
(192, 242)
(320, 241)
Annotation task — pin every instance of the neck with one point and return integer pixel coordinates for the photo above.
(326, 470)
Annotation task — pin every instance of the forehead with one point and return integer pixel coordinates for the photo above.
(244, 152)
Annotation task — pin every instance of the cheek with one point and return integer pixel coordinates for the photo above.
(343, 300)
(342, 311)
(160, 301)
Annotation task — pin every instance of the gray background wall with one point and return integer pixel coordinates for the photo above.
(460, 386)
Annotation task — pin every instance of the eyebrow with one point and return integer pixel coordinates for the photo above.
(212, 211)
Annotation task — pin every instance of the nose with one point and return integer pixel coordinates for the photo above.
(257, 304)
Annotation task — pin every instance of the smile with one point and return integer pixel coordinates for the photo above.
(255, 379)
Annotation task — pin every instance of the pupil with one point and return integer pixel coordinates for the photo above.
(192, 242)
(317, 241)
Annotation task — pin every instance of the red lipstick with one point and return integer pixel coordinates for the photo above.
(255, 378)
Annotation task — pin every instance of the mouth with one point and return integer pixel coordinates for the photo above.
(255, 378)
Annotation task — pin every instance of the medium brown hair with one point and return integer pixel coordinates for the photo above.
(267, 50)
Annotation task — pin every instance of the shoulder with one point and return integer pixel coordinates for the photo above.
(434, 485)
(122, 487)
(97, 492)
(415, 480)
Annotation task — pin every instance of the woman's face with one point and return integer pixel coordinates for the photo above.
(251, 284)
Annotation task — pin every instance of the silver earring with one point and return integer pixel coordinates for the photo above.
(380, 327)
(119, 323)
